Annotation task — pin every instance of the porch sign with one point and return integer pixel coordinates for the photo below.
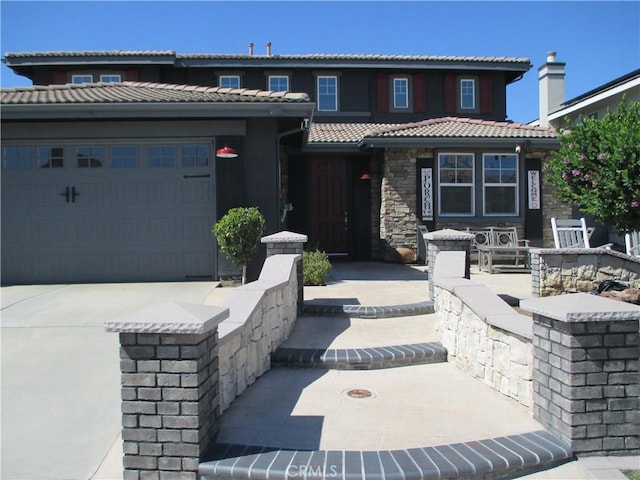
(534, 189)
(427, 193)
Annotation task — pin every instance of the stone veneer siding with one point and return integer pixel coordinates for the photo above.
(586, 371)
(560, 271)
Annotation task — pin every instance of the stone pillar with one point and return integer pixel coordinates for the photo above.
(289, 242)
(170, 391)
(585, 371)
(443, 241)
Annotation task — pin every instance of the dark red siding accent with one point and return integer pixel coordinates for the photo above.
(486, 93)
(132, 75)
(419, 93)
(59, 77)
(383, 92)
(450, 95)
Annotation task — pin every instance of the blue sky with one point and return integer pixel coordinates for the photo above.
(599, 41)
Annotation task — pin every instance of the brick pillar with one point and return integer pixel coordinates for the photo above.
(289, 243)
(170, 391)
(585, 371)
(446, 241)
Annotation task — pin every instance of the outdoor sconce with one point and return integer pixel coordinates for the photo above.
(226, 152)
(365, 176)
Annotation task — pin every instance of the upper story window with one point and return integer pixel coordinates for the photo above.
(456, 189)
(110, 78)
(500, 184)
(400, 93)
(82, 79)
(278, 83)
(327, 93)
(229, 81)
(467, 94)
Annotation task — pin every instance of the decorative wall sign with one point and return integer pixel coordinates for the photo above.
(426, 181)
(534, 189)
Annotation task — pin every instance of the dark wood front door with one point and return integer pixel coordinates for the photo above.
(329, 213)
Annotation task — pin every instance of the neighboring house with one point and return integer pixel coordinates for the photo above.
(392, 141)
(554, 112)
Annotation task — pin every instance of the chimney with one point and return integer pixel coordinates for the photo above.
(251, 49)
(268, 49)
(551, 87)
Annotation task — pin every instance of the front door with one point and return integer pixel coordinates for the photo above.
(329, 214)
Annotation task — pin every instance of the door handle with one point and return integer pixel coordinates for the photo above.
(66, 194)
(74, 194)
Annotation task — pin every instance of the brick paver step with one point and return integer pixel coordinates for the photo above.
(369, 311)
(361, 358)
(501, 457)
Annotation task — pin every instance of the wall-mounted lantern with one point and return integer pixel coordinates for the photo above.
(226, 152)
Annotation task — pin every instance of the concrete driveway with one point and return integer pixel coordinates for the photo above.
(61, 374)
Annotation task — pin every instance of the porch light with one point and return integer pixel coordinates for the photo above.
(226, 152)
(365, 176)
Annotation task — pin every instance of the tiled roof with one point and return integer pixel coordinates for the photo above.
(446, 127)
(275, 58)
(140, 92)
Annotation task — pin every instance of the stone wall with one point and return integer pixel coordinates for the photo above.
(483, 335)
(561, 271)
(262, 314)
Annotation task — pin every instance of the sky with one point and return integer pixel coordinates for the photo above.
(599, 41)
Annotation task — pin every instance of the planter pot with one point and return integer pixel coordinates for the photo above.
(407, 255)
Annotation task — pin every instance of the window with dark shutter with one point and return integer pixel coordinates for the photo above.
(419, 93)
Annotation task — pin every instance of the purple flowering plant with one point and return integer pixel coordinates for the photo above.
(597, 167)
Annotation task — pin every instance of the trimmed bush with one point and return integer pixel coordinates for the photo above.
(316, 267)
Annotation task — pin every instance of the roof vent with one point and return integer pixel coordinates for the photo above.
(268, 49)
(251, 49)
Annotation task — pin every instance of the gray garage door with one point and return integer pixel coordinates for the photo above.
(107, 213)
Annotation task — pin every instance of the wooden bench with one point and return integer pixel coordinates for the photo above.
(494, 244)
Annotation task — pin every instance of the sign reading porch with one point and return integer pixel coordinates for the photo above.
(426, 181)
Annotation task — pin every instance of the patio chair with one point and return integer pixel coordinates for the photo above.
(632, 242)
(570, 233)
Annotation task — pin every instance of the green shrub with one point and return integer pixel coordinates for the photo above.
(238, 234)
(316, 267)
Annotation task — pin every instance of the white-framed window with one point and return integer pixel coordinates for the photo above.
(110, 78)
(229, 81)
(467, 94)
(278, 83)
(16, 158)
(455, 185)
(82, 78)
(400, 93)
(500, 184)
(327, 93)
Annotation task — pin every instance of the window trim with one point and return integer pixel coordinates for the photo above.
(220, 77)
(472, 185)
(461, 106)
(516, 212)
(408, 94)
(75, 79)
(280, 77)
(336, 96)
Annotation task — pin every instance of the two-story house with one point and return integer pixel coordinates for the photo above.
(372, 146)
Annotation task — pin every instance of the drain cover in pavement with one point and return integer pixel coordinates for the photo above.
(360, 393)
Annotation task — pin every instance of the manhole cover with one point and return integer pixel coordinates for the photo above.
(360, 393)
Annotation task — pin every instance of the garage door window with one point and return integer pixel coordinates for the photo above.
(16, 158)
(162, 156)
(123, 156)
(89, 157)
(50, 157)
(195, 156)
